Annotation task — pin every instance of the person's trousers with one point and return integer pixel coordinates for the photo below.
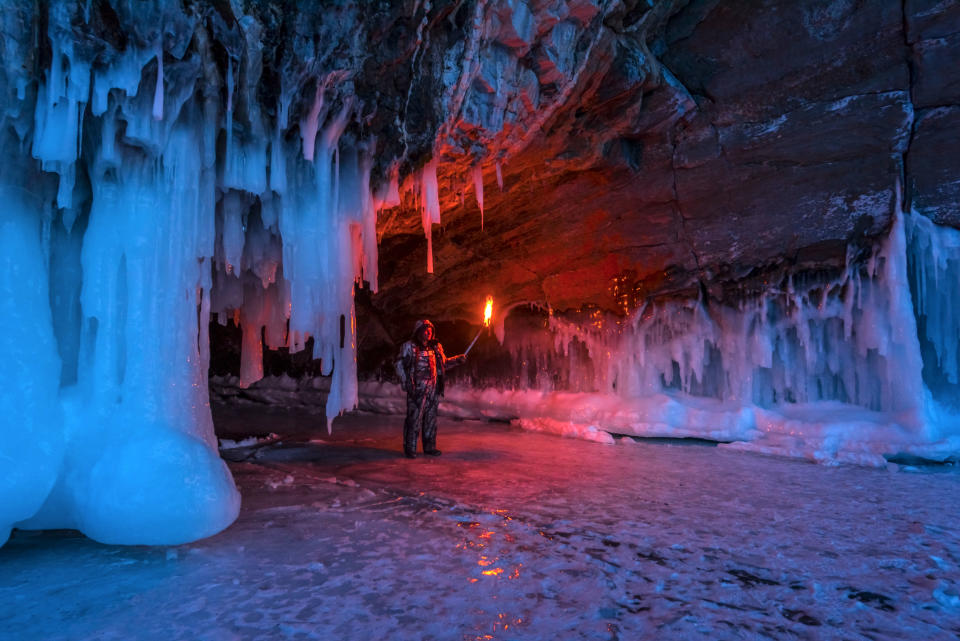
(421, 415)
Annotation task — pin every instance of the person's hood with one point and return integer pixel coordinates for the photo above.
(420, 324)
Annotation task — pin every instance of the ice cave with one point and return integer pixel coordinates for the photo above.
(718, 241)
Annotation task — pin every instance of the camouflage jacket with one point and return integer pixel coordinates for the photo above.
(424, 366)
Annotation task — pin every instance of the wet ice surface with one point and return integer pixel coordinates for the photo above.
(513, 535)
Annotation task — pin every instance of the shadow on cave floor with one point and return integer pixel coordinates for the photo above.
(512, 535)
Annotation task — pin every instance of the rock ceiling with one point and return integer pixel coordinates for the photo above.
(623, 147)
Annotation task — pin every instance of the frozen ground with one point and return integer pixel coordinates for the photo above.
(513, 535)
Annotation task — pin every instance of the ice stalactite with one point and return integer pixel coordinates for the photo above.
(429, 195)
(158, 90)
(477, 175)
(368, 209)
(289, 256)
(60, 105)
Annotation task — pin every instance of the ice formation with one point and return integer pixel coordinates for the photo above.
(171, 197)
(823, 368)
(429, 196)
(859, 366)
(477, 175)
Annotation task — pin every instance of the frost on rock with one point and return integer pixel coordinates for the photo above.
(142, 193)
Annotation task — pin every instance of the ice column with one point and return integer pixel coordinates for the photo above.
(934, 271)
(129, 436)
(142, 464)
(31, 431)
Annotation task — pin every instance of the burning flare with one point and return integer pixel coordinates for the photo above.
(487, 315)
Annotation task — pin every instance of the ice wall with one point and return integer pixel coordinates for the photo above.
(822, 366)
(145, 190)
(848, 339)
(934, 270)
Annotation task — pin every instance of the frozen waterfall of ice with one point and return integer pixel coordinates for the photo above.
(124, 227)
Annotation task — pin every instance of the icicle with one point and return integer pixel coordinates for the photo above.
(251, 322)
(389, 194)
(58, 115)
(158, 91)
(369, 221)
(229, 126)
(430, 204)
(230, 86)
(477, 172)
(278, 164)
(431, 194)
(234, 208)
(425, 220)
(309, 125)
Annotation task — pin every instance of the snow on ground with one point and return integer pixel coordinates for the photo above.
(512, 535)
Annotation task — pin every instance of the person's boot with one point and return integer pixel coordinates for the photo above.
(410, 451)
(432, 452)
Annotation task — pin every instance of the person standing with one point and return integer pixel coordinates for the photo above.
(421, 367)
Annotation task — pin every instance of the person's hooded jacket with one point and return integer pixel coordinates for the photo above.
(410, 352)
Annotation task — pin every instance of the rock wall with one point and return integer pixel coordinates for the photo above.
(733, 139)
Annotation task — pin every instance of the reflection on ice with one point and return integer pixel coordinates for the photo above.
(639, 539)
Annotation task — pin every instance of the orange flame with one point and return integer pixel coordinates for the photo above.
(488, 312)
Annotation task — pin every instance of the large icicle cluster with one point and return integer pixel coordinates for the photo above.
(849, 339)
(934, 263)
(137, 203)
(822, 367)
(289, 254)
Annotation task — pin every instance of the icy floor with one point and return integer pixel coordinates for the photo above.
(514, 535)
